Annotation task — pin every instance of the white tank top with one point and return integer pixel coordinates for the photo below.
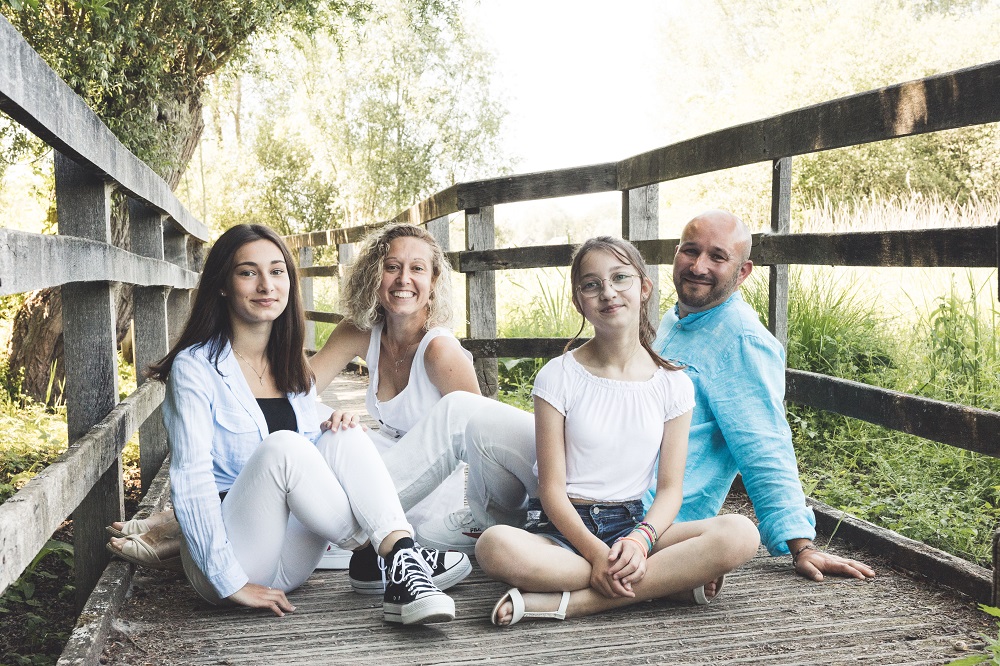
(407, 407)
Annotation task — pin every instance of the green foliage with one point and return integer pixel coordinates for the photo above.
(938, 494)
(34, 437)
(992, 644)
(142, 66)
(832, 328)
(958, 166)
(351, 128)
(539, 310)
(962, 349)
(37, 608)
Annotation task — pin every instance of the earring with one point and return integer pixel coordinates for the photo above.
(222, 293)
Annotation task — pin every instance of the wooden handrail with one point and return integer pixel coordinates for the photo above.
(43, 503)
(36, 261)
(34, 95)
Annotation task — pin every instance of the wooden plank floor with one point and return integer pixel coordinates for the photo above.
(765, 615)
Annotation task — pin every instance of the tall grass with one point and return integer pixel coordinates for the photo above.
(877, 213)
(938, 494)
(538, 305)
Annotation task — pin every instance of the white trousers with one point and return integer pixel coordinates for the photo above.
(496, 440)
(293, 497)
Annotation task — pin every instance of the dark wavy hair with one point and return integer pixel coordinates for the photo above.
(209, 323)
(627, 254)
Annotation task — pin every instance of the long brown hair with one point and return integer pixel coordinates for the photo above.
(627, 254)
(209, 323)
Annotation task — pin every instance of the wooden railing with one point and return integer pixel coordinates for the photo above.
(166, 241)
(956, 99)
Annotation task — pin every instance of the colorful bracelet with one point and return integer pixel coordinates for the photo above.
(645, 536)
(649, 526)
(645, 553)
(649, 542)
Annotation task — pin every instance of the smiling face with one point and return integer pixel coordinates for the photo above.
(606, 271)
(711, 261)
(407, 277)
(258, 285)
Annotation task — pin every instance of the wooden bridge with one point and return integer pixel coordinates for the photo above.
(766, 613)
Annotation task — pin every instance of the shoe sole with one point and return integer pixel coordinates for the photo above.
(170, 564)
(435, 608)
(443, 581)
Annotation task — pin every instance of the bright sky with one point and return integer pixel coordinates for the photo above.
(579, 91)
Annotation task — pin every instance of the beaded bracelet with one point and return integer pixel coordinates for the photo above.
(645, 530)
(795, 556)
(655, 536)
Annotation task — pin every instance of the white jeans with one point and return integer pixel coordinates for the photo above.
(293, 497)
(496, 440)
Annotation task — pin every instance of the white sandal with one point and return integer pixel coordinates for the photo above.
(699, 592)
(519, 613)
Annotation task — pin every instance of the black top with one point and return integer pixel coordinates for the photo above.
(278, 413)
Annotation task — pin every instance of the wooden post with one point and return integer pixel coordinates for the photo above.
(439, 228)
(345, 257)
(781, 213)
(308, 301)
(641, 221)
(480, 294)
(83, 205)
(995, 596)
(150, 328)
(175, 250)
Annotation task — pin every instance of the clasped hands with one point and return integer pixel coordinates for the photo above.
(616, 569)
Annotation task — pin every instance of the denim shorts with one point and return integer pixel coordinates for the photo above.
(605, 521)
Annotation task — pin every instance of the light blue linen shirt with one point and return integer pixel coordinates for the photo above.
(213, 425)
(738, 424)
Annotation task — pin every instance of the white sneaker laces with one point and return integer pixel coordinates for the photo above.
(430, 555)
(407, 567)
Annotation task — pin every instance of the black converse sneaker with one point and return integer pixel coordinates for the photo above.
(410, 595)
(447, 569)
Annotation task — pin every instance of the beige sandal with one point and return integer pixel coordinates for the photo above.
(514, 595)
(137, 551)
(136, 526)
(140, 525)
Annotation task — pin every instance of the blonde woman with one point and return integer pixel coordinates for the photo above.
(398, 302)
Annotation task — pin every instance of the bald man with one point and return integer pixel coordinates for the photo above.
(738, 370)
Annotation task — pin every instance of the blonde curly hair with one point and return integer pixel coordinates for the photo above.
(361, 290)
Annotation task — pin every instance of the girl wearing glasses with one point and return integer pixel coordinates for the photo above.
(604, 414)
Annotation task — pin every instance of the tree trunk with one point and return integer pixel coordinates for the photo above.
(36, 341)
(38, 329)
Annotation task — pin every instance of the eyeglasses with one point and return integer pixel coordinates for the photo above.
(594, 286)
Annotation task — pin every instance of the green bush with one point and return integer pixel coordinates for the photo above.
(938, 494)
